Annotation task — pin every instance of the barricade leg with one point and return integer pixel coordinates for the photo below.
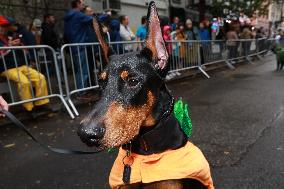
(73, 107)
(248, 60)
(204, 72)
(67, 107)
(230, 65)
(200, 61)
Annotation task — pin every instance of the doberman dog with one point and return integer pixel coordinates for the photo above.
(135, 112)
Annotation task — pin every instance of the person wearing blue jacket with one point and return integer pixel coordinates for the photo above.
(203, 32)
(76, 30)
(114, 27)
(204, 36)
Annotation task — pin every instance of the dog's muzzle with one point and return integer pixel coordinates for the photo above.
(91, 134)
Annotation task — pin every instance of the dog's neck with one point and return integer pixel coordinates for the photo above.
(166, 134)
(161, 111)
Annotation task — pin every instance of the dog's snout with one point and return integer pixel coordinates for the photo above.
(91, 134)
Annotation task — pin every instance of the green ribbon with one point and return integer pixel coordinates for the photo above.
(181, 113)
(110, 150)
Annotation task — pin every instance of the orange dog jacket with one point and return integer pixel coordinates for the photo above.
(185, 162)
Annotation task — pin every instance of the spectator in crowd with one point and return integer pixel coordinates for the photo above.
(221, 33)
(192, 34)
(16, 68)
(141, 31)
(167, 37)
(36, 30)
(246, 35)
(203, 32)
(214, 28)
(114, 27)
(109, 12)
(279, 37)
(259, 35)
(49, 35)
(232, 45)
(92, 51)
(204, 36)
(180, 48)
(175, 23)
(90, 32)
(208, 26)
(89, 11)
(220, 37)
(27, 37)
(3, 105)
(190, 31)
(76, 28)
(125, 32)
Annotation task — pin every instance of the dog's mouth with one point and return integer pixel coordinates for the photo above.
(91, 142)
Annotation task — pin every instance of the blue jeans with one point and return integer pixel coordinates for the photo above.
(81, 69)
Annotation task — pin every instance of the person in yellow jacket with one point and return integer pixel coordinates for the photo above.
(14, 66)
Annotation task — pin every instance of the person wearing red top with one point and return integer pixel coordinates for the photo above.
(167, 37)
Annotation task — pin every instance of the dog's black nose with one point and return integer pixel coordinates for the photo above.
(91, 135)
(96, 133)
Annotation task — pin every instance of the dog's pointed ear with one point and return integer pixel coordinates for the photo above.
(154, 40)
(99, 32)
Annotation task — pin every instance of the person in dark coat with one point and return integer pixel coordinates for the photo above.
(49, 36)
(114, 27)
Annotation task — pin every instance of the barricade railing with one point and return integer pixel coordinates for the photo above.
(184, 55)
(77, 71)
(31, 74)
(81, 64)
(81, 61)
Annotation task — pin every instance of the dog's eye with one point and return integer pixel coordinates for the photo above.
(132, 82)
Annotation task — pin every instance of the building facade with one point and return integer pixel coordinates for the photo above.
(26, 11)
(135, 9)
(196, 10)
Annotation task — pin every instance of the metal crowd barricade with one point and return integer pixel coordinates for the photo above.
(184, 55)
(82, 62)
(214, 51)
(244, 49)
(26, 59)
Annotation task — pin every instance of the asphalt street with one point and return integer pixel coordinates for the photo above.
(238, 123)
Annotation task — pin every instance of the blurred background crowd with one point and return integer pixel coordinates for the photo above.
(78, 28)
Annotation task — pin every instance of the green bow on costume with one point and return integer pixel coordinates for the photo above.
(181, 113)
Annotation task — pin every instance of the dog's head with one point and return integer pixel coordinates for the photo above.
(132, 90)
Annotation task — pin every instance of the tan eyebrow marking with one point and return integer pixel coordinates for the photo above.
(124, 74)
(103, 76)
